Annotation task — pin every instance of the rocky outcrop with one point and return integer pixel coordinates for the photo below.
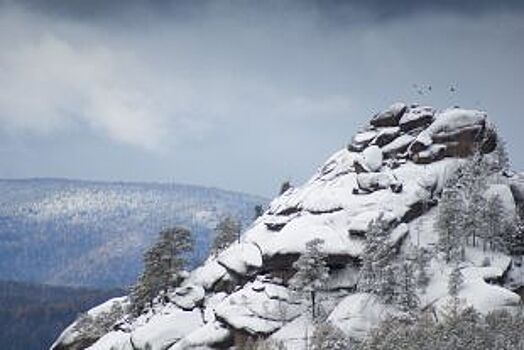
(394, 168)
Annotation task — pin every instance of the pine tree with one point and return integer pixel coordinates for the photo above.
(494, 225)
(515, 239)
(286, 185)
(377, 274)
(312, 271)
(407, 298)
(455, 281)
(226, 232)
(328, 336)
(473, 185)
(259, 210)
(502, 161)
(93, 327)
(422, 261)
(163, 265)
(449, 223)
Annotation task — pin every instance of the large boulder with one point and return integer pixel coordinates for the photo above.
(398, 146)
(358, 313)
(258, 308)
(416, 118)
(371, 160)
(163, 330)
(389, 117)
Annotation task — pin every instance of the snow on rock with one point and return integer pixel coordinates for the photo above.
(210, 304)
(211, 334)
(70, 336)
(362, 139)
(371, 182)
(163, 330)
(454, 119)
(338, 164)
(294, 334)
(241, 258)
(259, 312)
(386, 135)
(391, 116)
(360, 223)
(484, 297)
(372, 158)
(358, 313)
(208, 274)
(417, 117)
(188, 296)
(397, 146)
(431, 154)
(293, 237)
(116, 340)
(422, 141)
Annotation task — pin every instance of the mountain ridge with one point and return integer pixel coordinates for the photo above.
(50, 225)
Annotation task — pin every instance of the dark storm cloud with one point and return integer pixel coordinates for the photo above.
(339, 10)
(237, 94)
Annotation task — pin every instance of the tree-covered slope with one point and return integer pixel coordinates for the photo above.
(81, 233)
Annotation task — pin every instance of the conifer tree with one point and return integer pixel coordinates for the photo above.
(286, 185)
(377, 274)
(502, 159)
(455, 281)
(311, 271)
(494, 225)
(259, 210)
(515, 239)
(407, 298)
(163, 264)
(422, 261)
(473, 185)
(226, 232)
(449, 223)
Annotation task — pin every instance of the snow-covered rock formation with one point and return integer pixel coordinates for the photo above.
(395, 168)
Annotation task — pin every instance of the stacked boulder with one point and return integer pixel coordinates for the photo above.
(395, 168)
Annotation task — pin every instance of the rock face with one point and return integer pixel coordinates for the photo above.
(394, 168)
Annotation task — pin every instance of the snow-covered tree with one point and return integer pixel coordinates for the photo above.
(377, 274)
(473, 184)
(164, 263)
(502, 161)
(259, 210)
(328, 336)
(285, 186)
(421, 268)
(406, 294)
(462, 330)
(455, 281)
(494, 224)
(515, 238)
(226, 232)
(93, 327)
(450, 224)
(312, 271)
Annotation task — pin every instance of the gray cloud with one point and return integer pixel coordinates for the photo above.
(231, 95)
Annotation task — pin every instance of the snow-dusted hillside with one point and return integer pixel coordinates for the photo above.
(70, 232)
(395, 168)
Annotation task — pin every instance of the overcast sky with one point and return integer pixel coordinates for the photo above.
(237, 94)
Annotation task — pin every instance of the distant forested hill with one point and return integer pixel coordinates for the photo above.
(81, 233)
(32, 316)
